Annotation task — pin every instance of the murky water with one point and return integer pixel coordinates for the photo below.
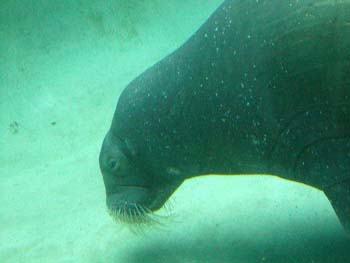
(63, 66)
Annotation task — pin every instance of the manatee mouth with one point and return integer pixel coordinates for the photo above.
(134, 205)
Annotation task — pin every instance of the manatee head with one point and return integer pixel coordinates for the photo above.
(133, 190)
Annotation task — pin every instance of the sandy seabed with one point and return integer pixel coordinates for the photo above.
(62, 68)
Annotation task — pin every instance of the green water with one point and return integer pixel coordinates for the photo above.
(63, 65)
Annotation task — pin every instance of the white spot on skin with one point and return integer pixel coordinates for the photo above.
(173, 171)
(130, 146)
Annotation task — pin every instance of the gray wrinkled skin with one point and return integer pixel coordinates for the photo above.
(262, 87)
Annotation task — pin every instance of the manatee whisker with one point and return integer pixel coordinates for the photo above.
(134, 212)
(136, 216)
(139, 213)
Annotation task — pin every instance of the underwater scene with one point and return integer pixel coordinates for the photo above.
(136, 131)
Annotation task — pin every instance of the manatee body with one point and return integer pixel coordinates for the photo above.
(261, 87)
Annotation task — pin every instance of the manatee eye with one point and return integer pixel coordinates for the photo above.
(113, 164)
